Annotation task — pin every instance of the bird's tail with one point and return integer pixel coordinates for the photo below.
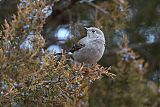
(65, 53)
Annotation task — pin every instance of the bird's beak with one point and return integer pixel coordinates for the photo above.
(86, 28)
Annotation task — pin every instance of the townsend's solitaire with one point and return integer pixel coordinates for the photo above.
(89, 49)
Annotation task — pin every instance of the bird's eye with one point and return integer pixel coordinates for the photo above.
(93, 31)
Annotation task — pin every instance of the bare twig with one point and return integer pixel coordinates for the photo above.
(97, 7)
(9, 91)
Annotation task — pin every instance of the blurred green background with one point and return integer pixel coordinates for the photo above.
(137, 83)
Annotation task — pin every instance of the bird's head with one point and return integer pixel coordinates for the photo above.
(93, 32)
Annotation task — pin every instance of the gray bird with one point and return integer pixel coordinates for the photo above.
(90, 49)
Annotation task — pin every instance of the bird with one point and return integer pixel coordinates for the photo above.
(90, 49)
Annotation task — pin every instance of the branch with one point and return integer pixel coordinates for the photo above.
(57, 12)
(97, 7)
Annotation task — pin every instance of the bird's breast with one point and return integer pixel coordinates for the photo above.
(90, 54)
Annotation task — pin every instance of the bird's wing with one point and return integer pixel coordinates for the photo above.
(78, 45)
